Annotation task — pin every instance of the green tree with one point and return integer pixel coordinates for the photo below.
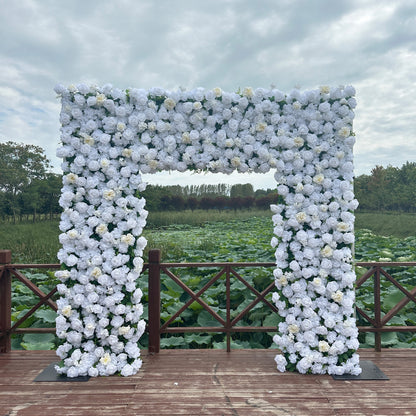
(242, 190)
(20, 165)
(50, 194)
(377, 185)
(30, 200)
(41, 196)
(407, 178)
(389, 188)
(192, 203)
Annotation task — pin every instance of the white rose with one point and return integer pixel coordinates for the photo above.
(343, 226)
(299, 142)
(62, 275)
(71, 178)
(121, 126)
(127, 152)
(105, 359)
(217, 92)
(169, 103)
(123, 330)
(318, 179)
(67, 311)
(282, 281)
(344, 132)
(261, 126)
(152, 164)
(127, 239)
(88, 140)
(248, 92)
(235, 161)
(293, 328)
(186, 137)
(337, 296)
(100, 99)
(301, 217)
(323, 346)
(105, 163)
(101, 229)
(96, 272)
(327, 251)
(109, 194)
(72, 234)
(317, 282)
(197, 105)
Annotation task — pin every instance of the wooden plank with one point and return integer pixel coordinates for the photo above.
(208, 382)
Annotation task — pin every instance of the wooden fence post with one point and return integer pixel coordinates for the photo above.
(154, 301)
(377, 309)
(5, 301)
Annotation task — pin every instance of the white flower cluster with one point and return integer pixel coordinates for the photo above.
(100, 306)
(314, 236)
(111, 136)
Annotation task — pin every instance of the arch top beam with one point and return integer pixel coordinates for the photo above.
(253, 130)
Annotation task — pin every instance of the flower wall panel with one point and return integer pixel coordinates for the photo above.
(111, 136)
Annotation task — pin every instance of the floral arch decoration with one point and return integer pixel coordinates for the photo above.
(111, 136)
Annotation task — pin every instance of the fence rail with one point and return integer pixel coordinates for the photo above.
(227, 271)
(379, 322)
(228, 325)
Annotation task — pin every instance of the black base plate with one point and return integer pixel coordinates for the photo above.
(50, 374)
(370, 372)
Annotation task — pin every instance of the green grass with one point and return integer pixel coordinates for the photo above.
(387, 223)
(200, 217)
(31, 242)
(38, 242)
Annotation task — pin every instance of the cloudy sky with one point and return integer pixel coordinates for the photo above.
(231, 44)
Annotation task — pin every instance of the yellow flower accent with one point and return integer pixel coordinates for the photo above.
(101, 98)
(67, 311)
(344, 132)
(337, 296)
(105, 359)
(327, 251)
(217, 92)
(248, 92)
(293, 328)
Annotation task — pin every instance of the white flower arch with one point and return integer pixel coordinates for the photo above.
(112, 136)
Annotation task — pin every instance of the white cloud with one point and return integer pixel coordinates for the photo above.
(231, 44)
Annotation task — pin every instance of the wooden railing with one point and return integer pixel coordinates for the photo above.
(227, 271)
(227, 325)
(379, 322)
(7, 272)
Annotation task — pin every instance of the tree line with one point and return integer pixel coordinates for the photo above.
(29, 190)
(27, 187)
(387, 189)
(207, 197)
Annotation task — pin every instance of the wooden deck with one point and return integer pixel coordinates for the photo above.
(208, 382)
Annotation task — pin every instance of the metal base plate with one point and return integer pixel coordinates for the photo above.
(370, 372)
(50, 374)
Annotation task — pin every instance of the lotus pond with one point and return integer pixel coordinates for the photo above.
(242, 240)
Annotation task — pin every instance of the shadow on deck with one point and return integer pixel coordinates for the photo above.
(208, 382)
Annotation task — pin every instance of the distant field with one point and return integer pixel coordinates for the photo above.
(38, 242)
(387, 223)
(31, 242)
